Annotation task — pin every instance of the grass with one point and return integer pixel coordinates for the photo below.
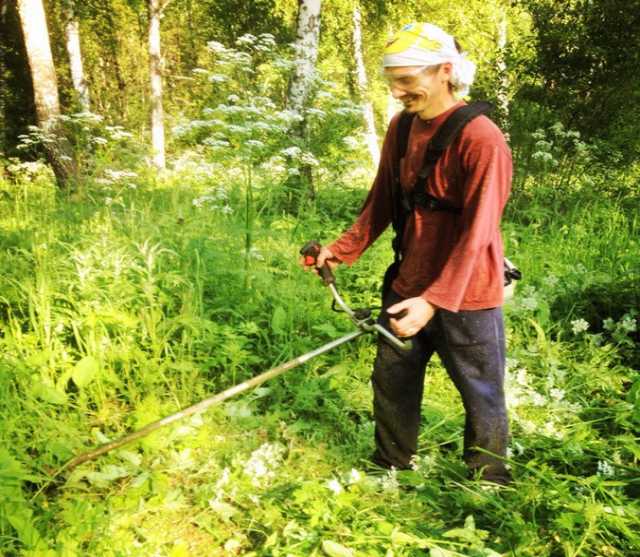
(115, 313)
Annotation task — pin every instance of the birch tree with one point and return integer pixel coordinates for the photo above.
(308, 35)
(156, 8)
(45, 87)
(361, 74)
(72, 39)
(502, 95)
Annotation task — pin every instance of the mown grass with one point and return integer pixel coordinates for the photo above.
(114, 313)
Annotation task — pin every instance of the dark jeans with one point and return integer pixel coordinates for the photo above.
(472, 349)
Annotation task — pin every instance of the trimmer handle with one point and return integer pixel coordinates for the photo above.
(310, 252)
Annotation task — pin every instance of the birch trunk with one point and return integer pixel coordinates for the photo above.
(300, 89)
(502, 96)
(72, 32)
(306, 53)
(45, 86)
(367, 105)
(155, 70)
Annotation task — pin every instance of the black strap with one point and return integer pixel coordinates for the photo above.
(397, 201)
(447, 133)
(405, 202)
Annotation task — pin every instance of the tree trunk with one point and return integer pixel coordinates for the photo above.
(300, 89)
(306, 53)
(155, 70)
(367, 105)
(45, 87)
(502, 95)
(72, 32)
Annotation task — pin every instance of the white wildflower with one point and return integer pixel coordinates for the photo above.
(308, 159)
(389, 482)
(579, 326)
(254, 143)
(521, 376)
(551, 430)
(118, 132)
(215, 143)
(605, 469)
(334, 486)
(422, 464)
(291, 151)
(556, 394)
(263, 462)
(537, 399)
(246, 39)
(316, 112)
(215, 46)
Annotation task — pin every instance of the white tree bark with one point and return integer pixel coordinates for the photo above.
(45, 88)
(502, 96)
(367, 105)
(72, 32)
(43, 73)
(155, 71)
(306, 53)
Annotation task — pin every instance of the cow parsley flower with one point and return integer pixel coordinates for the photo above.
(605, 469)
(334, 486)
(579, 326)
(263, 463)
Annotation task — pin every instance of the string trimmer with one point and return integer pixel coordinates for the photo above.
(361, 318)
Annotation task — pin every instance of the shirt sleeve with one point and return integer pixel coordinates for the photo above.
(488, 170)
(377, 211)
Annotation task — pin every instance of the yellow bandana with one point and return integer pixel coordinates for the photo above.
(424, 44)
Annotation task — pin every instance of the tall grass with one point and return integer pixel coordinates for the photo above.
(114, 312)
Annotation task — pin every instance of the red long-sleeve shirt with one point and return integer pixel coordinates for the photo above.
(453, 261)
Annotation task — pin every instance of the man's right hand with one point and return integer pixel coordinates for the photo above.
(325, 256)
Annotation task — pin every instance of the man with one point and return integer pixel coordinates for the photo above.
(449, 287)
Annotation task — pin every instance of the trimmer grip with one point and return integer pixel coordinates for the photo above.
(310, 252)
(402, 313)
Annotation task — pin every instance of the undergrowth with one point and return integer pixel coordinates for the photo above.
(124, 306)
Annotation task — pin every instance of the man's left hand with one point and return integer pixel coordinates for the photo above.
(419, 313)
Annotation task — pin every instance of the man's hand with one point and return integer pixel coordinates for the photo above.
(419, 313)
(325, 256)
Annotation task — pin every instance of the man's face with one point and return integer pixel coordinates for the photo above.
(419, 88)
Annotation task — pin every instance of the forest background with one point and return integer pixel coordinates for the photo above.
(159, 170)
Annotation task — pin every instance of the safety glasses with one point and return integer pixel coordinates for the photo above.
(402, 79)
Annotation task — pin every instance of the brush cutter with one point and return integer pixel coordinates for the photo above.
(361, 318)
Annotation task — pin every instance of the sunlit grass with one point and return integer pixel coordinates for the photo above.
(113, 314)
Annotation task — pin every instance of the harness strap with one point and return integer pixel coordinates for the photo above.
(398, 199)
(405, 202)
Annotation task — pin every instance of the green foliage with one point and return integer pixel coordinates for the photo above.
(116, 311)
(587, 53)
(17, 109)
(147, 293)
